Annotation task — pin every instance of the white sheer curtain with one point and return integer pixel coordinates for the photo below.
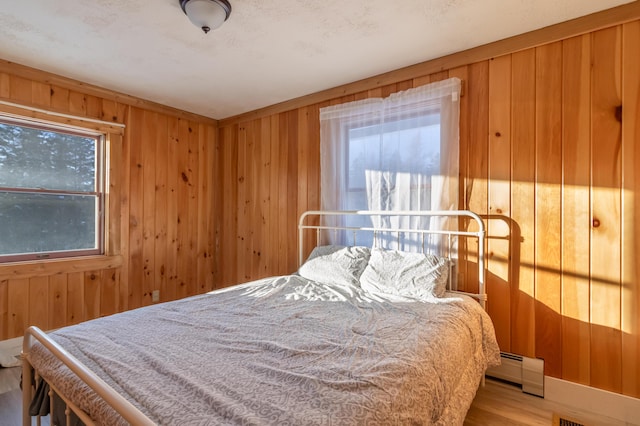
(396, 153)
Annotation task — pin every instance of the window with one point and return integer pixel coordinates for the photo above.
(397, 153)
(398, 157)
(51, 190)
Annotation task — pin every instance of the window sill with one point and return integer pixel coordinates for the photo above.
(42, 268)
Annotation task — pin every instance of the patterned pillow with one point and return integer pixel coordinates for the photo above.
(336, 264)
(413, 275)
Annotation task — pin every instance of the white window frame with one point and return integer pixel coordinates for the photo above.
(99, 192)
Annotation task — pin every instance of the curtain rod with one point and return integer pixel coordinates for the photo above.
(62, 115)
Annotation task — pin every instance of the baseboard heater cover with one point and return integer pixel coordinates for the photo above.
(521, 370)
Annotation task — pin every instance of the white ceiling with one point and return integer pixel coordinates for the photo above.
(267, 52)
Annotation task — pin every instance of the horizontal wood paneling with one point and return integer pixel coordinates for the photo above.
(542, 136)
(160, 210)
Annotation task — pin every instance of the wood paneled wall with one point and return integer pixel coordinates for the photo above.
(549, 138)
(161, 209)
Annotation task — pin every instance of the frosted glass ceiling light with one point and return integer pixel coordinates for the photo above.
(206, 14)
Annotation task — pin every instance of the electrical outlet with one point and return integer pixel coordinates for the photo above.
(155, 296)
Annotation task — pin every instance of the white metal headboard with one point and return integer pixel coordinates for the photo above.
(321, 225)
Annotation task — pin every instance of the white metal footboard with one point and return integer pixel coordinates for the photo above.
(479, 235)
(128, 412)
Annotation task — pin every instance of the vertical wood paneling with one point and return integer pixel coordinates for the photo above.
(254, 200)
(123, 204)
(230, 209)
(5, 85)
(461, 267)
(149, 144)
(19, 309)
(576, 223)
(20, 89)
(136, 209)
(522, 256)
(304, 160)
(263, 250)
(631, 209)
(205, 212)
(292, 187)
(92, 284)
(478, 169)
(41, 94)
(182, 190)
(109, 292)
(274, 197)
(75, 297)
(170, 291)
(606, 346)
(39, 302)
(548, 155)
(58, 301)
(161, 189)
(4, 309)
(141, 197)
(499, 194)
(59, 98)
(285, 196)
(243, 223)
(192, 215)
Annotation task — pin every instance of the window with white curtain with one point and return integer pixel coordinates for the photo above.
(394, 153)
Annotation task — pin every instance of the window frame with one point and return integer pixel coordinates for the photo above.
(101, 137)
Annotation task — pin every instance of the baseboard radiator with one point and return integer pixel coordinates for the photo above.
(527, 372)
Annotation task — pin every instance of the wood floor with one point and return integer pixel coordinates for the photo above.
(495, 404)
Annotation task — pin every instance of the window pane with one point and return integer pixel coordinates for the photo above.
(43, 159)
(36, 223)
(406, 151)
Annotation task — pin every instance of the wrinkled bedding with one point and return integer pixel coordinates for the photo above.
(285, 351)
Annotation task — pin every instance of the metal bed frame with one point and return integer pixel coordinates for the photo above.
(450, 236)
(134, 416)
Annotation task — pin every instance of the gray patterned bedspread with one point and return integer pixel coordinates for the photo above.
(284, 351)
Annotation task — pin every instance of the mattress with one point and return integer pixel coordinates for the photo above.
(283, 350)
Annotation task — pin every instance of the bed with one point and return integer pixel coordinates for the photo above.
(370, 333)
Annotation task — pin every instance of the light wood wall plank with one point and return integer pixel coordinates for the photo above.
(58, 301)
(462, 267)
(548, 156)
(477, 177)
(92, 290)
(522, 225)
(182, 189)
(4, 309)
(192, 215)
(576, 201)
(18, 306)
(75, 297)
(631, 209)
(39, 302)
(149, 145)
(499, 198)
(606, 343)
(170, 291)
(161, 189)
(136, 209)
(274, 196)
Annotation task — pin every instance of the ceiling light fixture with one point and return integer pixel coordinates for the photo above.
(206, 14)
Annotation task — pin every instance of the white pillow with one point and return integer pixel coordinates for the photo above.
(335, 264)
(413, 275)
